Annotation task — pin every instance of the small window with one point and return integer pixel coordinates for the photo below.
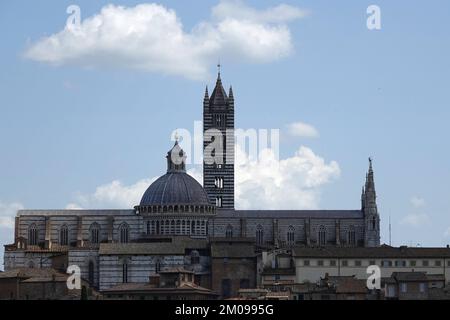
(400, 263)
(425, 263)
(358, 263)
(386, 263)
(333, 263)
(195, 257)
(422, 287)
(372, 262)
(95, 230)
(351, 236)
(290, 236)
(403, 287)
(259, 235)
(413, 263)
(306, 263)
(344, 263)
(124, 233)
(437, 263)
(320, 263)
(218, 182)
(64, 236)
(229, 231)
(125, 272)
(219, 202)
(322, 236)
(32, 235)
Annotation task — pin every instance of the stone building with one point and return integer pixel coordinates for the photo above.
(171, 284)
(313, 263)
(177, 218)
(233, 266)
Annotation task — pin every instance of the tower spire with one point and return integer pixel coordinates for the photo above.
(218, 70)
(370, 183)
(372, 228)
(206, 94)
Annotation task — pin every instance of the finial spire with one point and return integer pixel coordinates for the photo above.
(176, 158)
(218, 69)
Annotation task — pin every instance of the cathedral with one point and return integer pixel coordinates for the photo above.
(181, 224)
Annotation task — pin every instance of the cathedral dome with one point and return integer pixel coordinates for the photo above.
(176, 187)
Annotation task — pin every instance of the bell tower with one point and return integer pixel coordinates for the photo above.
(218, 130)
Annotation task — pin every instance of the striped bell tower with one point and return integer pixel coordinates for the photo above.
(218, 116)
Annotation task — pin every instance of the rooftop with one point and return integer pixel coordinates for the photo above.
(177, 247)
(378, 252)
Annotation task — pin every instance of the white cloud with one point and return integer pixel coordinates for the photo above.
(8, 212)
(416, 220)
(291, 183)
(417, 202)
(112, 195)
(150, 37)
(301, 129)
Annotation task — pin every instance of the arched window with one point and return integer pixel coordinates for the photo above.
(229, 231)
(259, 235)
(195, 257)
(124, 233)
(290, 237)
(32, 235)
(148, 227)
(91, 272)
(193, 227)
(125, 272)
(172, 227)
(351, 236)
(157, 227)
(219, 202)
(322, 236)
(158, 266)
(95, 233)
(374, 223)
(64, 236)
(31, 264)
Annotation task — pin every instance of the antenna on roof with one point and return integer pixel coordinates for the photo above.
(390, 230)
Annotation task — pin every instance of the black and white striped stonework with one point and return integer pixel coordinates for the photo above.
(218, 114)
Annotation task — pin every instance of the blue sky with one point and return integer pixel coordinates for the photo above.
(65, 130)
